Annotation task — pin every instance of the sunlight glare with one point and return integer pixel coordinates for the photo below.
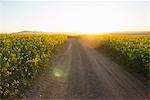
(57, 72)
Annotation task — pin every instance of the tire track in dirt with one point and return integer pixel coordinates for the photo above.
(79, 72)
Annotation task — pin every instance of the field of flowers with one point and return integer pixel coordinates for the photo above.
(135, 49)
(22, 57)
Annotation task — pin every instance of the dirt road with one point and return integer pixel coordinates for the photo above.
(79, 72)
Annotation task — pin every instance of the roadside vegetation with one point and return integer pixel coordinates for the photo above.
(132, 50)
(23, 57)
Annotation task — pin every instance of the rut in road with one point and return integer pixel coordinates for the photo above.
(81, 73)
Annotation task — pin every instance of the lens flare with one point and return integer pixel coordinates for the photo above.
(57, 72)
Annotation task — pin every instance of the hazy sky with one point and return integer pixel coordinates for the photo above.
(71, 16)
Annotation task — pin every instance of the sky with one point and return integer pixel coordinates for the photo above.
(74, 16)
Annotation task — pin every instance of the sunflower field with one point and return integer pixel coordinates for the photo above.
(135, 48)
(22, 57)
